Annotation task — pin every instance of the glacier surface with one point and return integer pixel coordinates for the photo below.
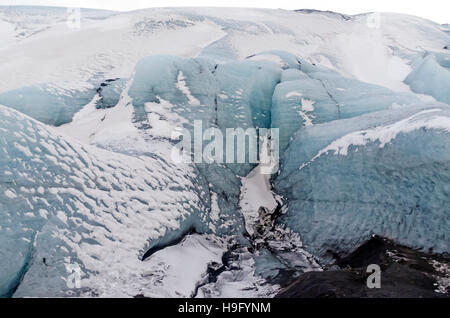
(88, 185)
(385, 173)
(64, 203)
(432, 76)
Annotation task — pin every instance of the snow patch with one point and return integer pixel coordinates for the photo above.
(293, 94)
(181, 85)
(175, 271)
(255, 192)
(384, 134)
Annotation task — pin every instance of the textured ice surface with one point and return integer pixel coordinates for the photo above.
(55, 106)
(383, 173)
(432, 77)
(172, 92)
(47, 104)
(138, 117)
(113, 42)
(73, 204)
(310, 95)
(110, 91)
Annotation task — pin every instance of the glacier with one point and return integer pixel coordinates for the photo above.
(88, 181)
(431, 76)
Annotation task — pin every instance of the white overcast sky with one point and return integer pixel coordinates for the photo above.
(436, 10)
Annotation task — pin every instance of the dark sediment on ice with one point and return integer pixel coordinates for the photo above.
(405, 272)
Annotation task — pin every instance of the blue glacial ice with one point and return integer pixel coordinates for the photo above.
(276, 89)
(56, 106)
(311, 95)
(385, 173)
(50, 105)
(63, 204)
(356, 159)
(432, 76)
(109, 92)
(180, 91)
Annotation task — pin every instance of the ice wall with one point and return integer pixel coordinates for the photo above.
(310, 94)
(174, 92)
(53, 106)
(384, 173)
(432, 77)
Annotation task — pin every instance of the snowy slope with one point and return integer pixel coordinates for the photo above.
(113, 45)
(386, 173)
(54, 61)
